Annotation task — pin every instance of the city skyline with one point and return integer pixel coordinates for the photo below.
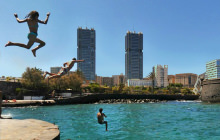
(181, 34)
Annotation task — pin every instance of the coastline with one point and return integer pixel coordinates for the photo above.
(90, 98)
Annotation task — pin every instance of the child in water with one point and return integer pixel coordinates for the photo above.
(32, 21)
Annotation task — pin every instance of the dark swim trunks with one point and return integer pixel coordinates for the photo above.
(103, 122)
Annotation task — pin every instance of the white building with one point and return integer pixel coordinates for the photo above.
(161, 75)
(55, 69)
(138, 82)
(213, 69)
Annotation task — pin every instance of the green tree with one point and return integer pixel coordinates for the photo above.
(94, 87)
(186, 91)
(32, 79)
(72, 81)
(126, 90)
(8, 79)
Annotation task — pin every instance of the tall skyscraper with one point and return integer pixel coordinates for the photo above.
(161, 75)
(86, 51)
(213, 69)
(133, 55)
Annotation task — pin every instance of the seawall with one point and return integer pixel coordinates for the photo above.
(211, 90)
(94, 98)
(8, 88)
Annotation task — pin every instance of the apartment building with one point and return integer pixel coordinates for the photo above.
(213, 69)
(161, 75)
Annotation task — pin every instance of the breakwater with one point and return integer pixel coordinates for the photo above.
(102, 98)
(96, 98)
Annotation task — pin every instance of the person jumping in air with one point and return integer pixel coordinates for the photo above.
(1, 105)
(66, 67)
(32, 21)
(100, 117)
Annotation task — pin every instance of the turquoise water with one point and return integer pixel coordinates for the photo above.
(149, 121)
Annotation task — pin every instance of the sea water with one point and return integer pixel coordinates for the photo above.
(148, 121)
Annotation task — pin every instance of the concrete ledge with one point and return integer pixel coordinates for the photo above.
(21, 103)
(28, 129)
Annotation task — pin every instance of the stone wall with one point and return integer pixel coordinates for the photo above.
(93, 98)
(211, 90)
(8, 88)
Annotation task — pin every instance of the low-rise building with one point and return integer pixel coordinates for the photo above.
(139, 82)
(186, 79)
(55, 69)
(107, 81)
(171, 79)
(213, 69)
(118, 79)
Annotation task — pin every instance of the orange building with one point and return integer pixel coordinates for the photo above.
(171, 79)
(187, 79)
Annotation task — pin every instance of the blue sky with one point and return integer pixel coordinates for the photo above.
(183, 34)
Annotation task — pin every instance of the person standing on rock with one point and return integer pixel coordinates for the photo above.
(100, 117)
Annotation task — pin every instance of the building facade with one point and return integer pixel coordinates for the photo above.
(133, 55)
(86, 50)
(55, 69)
(186, 79)
(138, 82)
(171, 79)
(107, 81)
(161, 75)
(98, 80)
(213, 69)
(118, 79)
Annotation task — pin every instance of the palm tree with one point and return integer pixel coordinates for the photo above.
(151, 76)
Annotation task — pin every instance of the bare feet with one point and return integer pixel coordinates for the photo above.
(8, 44)
(34, 52)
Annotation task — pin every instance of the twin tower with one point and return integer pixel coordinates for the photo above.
(86, 50)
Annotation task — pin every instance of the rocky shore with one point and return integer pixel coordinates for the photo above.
(128, 101)
(102, 98)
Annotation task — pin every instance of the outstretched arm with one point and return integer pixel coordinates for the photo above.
(79, 60)
(46, 20)
(19, 21)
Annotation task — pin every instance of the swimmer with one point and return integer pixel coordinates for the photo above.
(100, 117)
